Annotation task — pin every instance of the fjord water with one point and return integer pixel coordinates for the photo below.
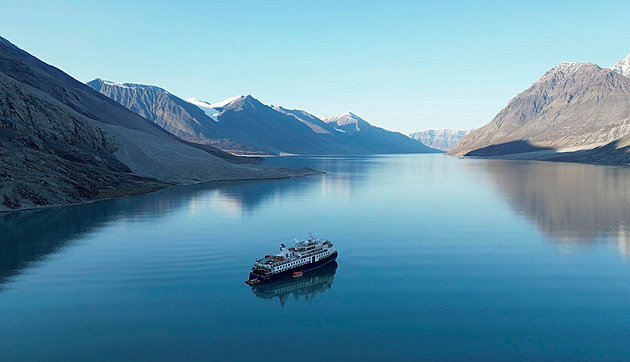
(439, 259)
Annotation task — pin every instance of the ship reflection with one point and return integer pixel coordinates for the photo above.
(303, 288)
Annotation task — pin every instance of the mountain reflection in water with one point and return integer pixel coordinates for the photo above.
(571, 203)
(29, 237)
(306, 287)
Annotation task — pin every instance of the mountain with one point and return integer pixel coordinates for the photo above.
(313, 122)
(185, 119)
(361, 134)
(440, 139)
(244, 125)
(157, 105)
(274, 132)
(239, 124)
(574, 106)
(61, 142)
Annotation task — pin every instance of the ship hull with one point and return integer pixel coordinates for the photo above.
(289, 273)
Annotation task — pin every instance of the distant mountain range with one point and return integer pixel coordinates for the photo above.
(244, 125)
(61, 142)
(574, 112)
(441, 139)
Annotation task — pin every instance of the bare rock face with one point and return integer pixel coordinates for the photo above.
(179, 117)
(157, 105)
(441, 139)
(574, 105)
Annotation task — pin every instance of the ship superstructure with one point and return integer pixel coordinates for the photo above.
(292, 262)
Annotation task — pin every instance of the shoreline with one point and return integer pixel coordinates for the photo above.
(587, 157)
(301, 172)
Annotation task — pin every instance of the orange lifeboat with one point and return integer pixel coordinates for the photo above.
(297, 274)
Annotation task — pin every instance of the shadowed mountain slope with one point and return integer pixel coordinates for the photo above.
(61, 142)
(360, 133)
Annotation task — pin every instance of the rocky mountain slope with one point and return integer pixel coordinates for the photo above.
(185, 119)
(244, 125)
(61, 142)
(360, 133)
(572, 106)
(274, 132)
(157, 105)
(441, 139)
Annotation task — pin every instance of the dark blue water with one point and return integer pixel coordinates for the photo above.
(439, 259)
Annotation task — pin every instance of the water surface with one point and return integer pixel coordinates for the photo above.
(439, 259)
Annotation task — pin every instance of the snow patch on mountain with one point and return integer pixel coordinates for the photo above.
(344, 119)
(213, 110)
(622, 66)
(115, 84)
(127, 85)
(348, 122)
(569, 67)
(226, 102)
(206, 107)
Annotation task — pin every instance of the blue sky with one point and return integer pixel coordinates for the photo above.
(402, 65)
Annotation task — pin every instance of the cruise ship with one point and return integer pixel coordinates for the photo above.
(292, 262)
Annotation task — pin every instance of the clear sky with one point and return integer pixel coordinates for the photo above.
(402, 65)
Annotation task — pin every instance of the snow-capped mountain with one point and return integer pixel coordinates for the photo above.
(622, 66)
(244, 125)
(348, 123)
(441, 139)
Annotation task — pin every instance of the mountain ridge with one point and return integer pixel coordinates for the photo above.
(439, 138)
(244, 125)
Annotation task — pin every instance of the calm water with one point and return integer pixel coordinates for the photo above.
(439, 259)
